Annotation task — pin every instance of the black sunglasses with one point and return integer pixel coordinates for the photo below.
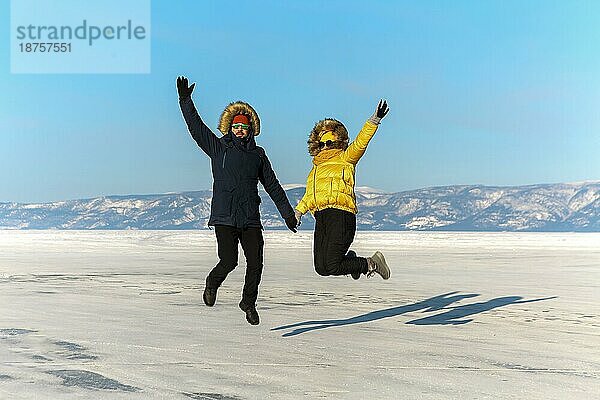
(328, 143)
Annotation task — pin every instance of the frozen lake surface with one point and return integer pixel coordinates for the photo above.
(119, 315)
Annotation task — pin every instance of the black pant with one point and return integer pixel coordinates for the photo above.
(334, 233)
(252, 242)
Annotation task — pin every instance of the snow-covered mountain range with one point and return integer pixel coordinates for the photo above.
(544, 207)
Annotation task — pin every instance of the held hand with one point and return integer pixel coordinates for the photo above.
(292, 223)
(382, 109)
(183, 89)
(298, 215)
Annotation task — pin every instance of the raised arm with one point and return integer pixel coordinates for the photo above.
(357, 148)
(201, 133)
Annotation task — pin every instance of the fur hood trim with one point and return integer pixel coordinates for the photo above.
(235, 108)
(324, 125)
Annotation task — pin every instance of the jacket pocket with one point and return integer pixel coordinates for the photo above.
(222, 202)
(347, 181)
(332, 196)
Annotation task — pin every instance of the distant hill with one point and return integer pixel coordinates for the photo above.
(544, 207)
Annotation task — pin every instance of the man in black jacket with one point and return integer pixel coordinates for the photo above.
(238, 164)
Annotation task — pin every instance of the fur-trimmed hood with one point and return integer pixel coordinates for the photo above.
(236, 108)
(324, 125)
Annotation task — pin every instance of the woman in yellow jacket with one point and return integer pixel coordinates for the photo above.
(330, 197)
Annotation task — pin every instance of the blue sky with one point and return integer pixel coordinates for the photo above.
(494, 92)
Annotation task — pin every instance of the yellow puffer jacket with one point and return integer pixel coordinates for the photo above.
(330, 183)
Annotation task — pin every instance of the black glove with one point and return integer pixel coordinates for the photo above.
(292, 223)
(382, 109)
(183, 89)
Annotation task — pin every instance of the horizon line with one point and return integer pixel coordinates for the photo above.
(291, 186)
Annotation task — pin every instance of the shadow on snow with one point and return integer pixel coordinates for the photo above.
(451, 315)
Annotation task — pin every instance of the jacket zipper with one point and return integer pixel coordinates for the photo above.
(224, 155)
(315, 187)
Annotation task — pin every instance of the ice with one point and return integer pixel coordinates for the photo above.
(119, 315)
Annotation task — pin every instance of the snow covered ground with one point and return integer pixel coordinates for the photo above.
(119, 315)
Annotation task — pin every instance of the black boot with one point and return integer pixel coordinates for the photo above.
(352, 254)
(210, 295)
(251, 314)
(377, 264)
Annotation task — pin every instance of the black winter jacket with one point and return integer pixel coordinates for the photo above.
(237, 167)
